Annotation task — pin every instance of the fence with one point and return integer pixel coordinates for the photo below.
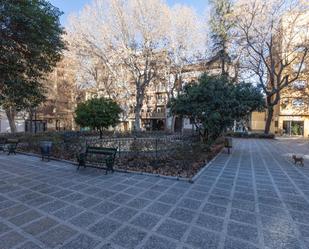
(151, 146)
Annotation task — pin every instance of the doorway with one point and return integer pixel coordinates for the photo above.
(178, 124)
(293, 128)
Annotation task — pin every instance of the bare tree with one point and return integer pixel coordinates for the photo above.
(274, 36)
(187, 42)
(125, 37)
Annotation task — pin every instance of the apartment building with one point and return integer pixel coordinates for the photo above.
(155, 113)
(291, 114)
(57, 112)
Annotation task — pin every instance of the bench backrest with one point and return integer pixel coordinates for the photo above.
(12, 141)
(101, 150)
(3, 140)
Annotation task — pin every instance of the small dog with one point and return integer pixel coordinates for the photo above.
(298, 159)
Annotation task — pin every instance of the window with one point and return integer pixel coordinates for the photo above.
(276, 124)
(160, 110)
(298, 102)
(299, 84)
(160, 97)
(284, 103)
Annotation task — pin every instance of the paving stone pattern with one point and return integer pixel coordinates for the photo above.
(253, 198)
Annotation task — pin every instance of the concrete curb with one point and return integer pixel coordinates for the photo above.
(198, 174)
(176, 178)
(73, 163)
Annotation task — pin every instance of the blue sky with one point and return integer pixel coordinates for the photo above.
(69, 6)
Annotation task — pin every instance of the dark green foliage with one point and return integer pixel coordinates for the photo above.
(220, 27)
(30, 46)
(214, 103)
(250, 135)
(30, 43)
(98, 114)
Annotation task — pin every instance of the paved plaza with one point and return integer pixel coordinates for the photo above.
(253, 198)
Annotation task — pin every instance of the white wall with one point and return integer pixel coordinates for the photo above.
(5, 127)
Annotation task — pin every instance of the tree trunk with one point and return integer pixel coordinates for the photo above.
(138, 108)
(223, 66)
(137, 121)
(31, 120)
(270, 112)
(10, 113)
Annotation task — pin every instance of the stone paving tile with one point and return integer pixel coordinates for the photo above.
(172, 229)
(146, 221)
(105, 207)
(56, 236)
(183, 215)
(244, 232)
(156, 242)
(104, 228)
(252, 198)
(123, 214)
(88, 202)
(129, 237)
(25, 217)
(210, 222)
(13, 211)
(275, 224)
(40, 226)
(214, 210)
(280, 241)
(231, 243)
(68, 212)
(84, 219)
(243, 216)
(203, 239)
(53, 206)
(190, 204)
(168, 199)
(11, 239)
(82, 241)
(138, 203)
(151, 195)
(29, 245)
(4, 228)
(159, 208)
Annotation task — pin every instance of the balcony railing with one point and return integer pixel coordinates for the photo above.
(150, 115)
(160, 115)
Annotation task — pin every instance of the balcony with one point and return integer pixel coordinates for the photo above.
(160, 90)
(149, 115)
(153, 115)
(161, 101)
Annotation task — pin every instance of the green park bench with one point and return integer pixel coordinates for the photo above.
(11, 145)
(2, 144)
(228, 143)
(107, 159)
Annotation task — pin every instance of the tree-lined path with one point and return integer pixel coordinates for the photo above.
(253, 198)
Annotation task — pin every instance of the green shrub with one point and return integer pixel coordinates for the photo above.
(250, 135)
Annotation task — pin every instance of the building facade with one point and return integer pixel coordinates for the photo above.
(291, 114)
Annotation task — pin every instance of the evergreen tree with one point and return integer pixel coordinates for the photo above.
(98, 114)
(30, 46)
(220, 27)
(215, 102)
